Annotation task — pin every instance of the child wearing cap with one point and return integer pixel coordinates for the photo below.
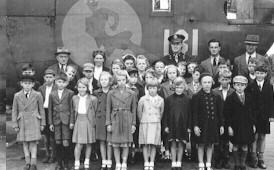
(28, 118)
(221, 150)
(104, 137)
(262, 92)
(177, 106)
(59, 119)
(121, 118)
(150, 112)
(207, 120)
(88, 71)
(45, 90)
(82, 121)
(240, 120)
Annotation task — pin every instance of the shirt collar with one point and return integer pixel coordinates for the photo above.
(253, 55)
(260, 82)
(217, 58)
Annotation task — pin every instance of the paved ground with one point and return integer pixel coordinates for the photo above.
(15, 154)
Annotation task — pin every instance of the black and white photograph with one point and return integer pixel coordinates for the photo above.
(136, 84)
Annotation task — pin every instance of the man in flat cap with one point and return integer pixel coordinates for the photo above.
(62, 56)
(241, 62)
(175, 51)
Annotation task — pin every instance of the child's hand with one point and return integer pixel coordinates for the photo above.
(51, 128)
(71, 126)
(166, 130)
(222, 130)
(16, 129)
(197, 131)
(271, 119)
(254, 128)
(133, 128)
(230, 131)
(42, 128)
(109, 128)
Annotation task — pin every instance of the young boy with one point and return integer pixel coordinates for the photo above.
(88, 71)
(72, 81)
(45, 90)
(262, 92)
(59, 117)
(28, 116)
(240, 120)
(251, 70)
(159, 67)
(27, 69)
(141, 65)
(221, 154)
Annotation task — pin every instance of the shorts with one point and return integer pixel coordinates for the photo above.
(62, 132)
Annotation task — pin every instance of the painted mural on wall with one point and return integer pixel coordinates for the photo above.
(93, 24)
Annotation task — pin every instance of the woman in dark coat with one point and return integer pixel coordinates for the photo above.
(207, 120)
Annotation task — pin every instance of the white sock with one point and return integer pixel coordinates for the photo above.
(77, 164)
(179, 164)
(109, 163)
(124, 165)
(104, 163)
(173, 164)
(86, 163)
(151, 164)
(118, 165)
(146, 164)
(201, 165)
(208, 164)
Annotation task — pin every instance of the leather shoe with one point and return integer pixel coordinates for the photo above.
(27, 167)
(33, 167)
(261, 164)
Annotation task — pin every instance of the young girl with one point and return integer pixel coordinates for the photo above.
(207, 120)
(116, 65)
(182, 68)
(177, 106)
(121, 118)
(83, 121)
(150, 111)
(129, 61)
(28, 116)
(194, 86)
(105, 81)
(171, 74)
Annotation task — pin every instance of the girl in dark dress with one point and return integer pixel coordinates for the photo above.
(177, 106)
(207, 120)
(240, 120)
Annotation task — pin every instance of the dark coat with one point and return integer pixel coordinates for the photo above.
(208, 116)
(207, 67)
(177, 111)
(264, 105)
(241, 118)
(100, 115)
(170, 59)
(60, 110)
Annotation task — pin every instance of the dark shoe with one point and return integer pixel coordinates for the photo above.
(46, 160)
(103, 168)
(27, 167)
(58, 167)
(33, 167)
(261, 164)
(93, 157)
(109, 168)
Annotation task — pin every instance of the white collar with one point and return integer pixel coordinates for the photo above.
(82, 97)
(253, 55)
(240, 94)
(260, 82)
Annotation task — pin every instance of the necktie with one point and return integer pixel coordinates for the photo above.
(242, 96)
(27, 95)
(260, 87)
(249, 59)
(62, 67)
(214, 61)
(176, 58)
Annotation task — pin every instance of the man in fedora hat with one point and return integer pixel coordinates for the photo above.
(62, 56)
(175, 51)
(241, 62)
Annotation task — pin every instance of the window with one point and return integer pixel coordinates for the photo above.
(250, 11)
(161, 7)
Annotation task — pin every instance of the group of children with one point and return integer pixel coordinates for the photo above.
(135, 104)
